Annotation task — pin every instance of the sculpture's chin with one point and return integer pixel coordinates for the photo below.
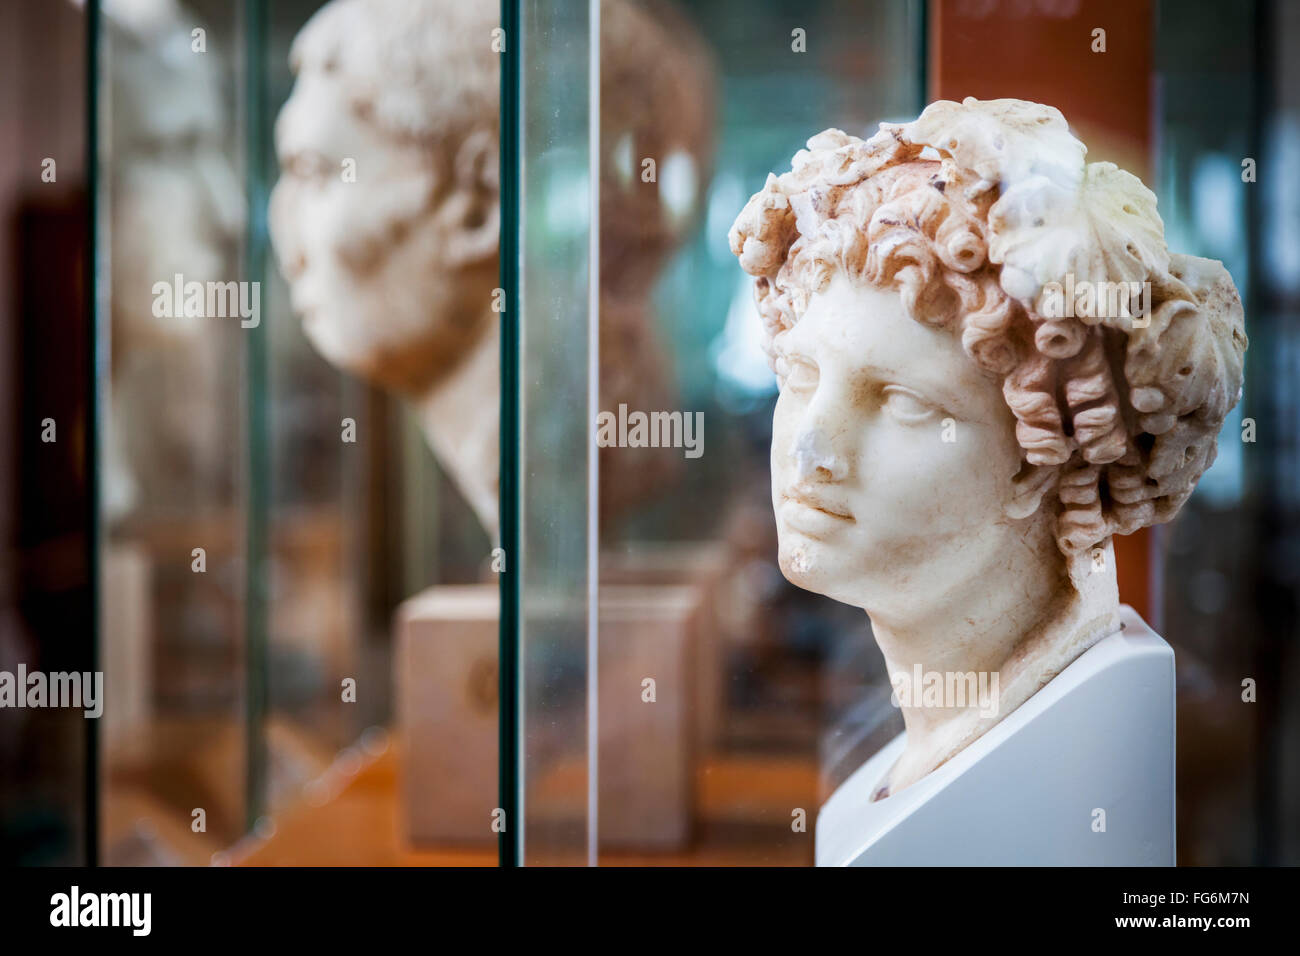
(809, 565)
(321, 332)
(838, 572)
(330, 338)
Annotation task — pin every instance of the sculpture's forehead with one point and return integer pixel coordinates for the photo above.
(866, 331)
(320, 118)
(317, 117)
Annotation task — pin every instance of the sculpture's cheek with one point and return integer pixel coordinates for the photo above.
(919, 508)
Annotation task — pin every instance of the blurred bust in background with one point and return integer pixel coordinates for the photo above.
(176, 206)
(657, 114)
(386, 215)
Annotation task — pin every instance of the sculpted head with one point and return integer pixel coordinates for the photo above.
(936, 406)
(392, 269)
(385, 217)
(955, 443)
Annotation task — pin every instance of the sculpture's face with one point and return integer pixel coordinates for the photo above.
(892, 453)
(362, 243)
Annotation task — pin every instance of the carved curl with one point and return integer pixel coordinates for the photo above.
(977, 210)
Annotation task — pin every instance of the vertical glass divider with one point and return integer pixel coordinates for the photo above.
(546, 452)
(593, 461)
(96, 300)
(510, 840)
(257, 452)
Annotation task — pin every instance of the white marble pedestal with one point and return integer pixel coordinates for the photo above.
(1098, 739)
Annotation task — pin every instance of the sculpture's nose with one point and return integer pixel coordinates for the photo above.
(815, 455)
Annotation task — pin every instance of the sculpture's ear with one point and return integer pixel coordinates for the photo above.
(472, 213)
(1028, 487)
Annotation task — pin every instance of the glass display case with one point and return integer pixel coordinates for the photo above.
(262, 514)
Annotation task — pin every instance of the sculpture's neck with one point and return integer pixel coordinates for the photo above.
(962, 669)
(460, 416)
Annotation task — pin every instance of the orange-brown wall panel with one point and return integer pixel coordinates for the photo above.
(1042, 50)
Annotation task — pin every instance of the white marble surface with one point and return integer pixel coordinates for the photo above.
(1100, 736)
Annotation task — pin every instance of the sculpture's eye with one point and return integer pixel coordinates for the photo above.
(906, 406)
(307, 164)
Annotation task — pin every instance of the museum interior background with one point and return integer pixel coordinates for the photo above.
(326, 560)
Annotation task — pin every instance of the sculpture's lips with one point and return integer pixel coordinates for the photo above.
(815, 502)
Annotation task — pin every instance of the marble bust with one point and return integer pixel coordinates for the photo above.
(393, 270)
(989, 363)
(386, 215)
(175, 206)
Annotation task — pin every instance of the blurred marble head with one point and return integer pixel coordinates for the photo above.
(385, 219)
(175, 199)
(175, 206)
(386, 214)
(657, 116)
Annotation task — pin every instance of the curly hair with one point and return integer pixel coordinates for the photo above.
(973, 212)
